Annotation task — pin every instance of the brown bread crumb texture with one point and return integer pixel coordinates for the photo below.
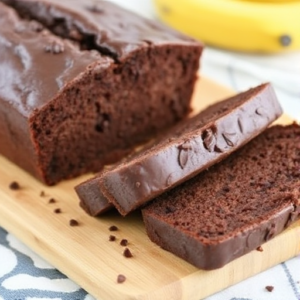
(233, 207)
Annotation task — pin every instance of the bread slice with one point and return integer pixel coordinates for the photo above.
(186, 150)
(234, 207)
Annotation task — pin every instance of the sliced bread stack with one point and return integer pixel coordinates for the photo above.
(188, 149)
(233, 207)
(222, 183)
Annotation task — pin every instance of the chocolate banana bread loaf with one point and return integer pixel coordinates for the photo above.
(82, 82)
(186, 150)
(233, 207)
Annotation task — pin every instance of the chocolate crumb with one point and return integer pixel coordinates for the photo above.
(73, 222)
(14, 186)
(57, 210)
(269, 288)
(42, 194)
(52, 200)
(260, 249)
(121, 278)
(112, 238)
(127, 253)
(124, 242)
(137, 184)
(113, 228)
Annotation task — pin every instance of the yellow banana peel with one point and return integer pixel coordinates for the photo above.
(267, 26)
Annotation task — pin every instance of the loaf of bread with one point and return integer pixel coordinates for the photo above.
(82, 82)
(235, 206)
(191, 147)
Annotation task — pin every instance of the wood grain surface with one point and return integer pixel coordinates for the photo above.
(85, 254)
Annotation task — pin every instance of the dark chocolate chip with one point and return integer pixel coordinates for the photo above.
(14, 186)
(73, 222)
(240, 124)
(218, 149)
(51, 201)
(127, 253)
(121, 278)
(269, 288)
(112, 238)
(228, 138)
(42, 194)
(124, 242)
(260, 249)
(209, 139)
(113, 228)
(270, 233)
(183, 158)
(57, 210)
(260, 111)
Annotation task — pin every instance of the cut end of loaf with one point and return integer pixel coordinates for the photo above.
(238, 204)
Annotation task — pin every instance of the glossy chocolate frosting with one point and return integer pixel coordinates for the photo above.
(35, 65)
(99, 25)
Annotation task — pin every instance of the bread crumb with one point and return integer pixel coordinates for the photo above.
(121, 278)
(112, 238)
(124, 242)
(127, 253)
(269, 288)
(113, 228)
(14, 186)
(73, 222)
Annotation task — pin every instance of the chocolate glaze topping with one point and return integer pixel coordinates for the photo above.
(99, 25)
(25, 46)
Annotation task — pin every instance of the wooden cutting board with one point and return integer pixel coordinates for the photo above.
(85, 255)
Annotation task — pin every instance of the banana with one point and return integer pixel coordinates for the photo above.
(263, 26)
